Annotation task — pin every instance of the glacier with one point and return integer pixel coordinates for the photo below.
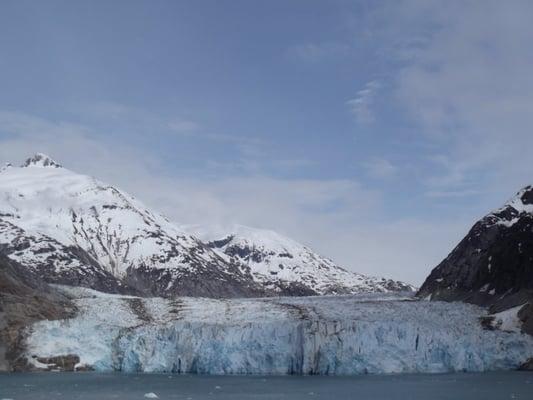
(329, 335)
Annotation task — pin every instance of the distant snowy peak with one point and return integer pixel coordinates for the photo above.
(282, 264)
(247, 236)
(40, 160)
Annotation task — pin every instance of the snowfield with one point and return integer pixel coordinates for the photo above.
(343, 335)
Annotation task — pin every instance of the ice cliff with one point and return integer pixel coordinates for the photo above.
(327, 335)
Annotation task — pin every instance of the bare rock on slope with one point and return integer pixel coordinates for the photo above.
(24, 299)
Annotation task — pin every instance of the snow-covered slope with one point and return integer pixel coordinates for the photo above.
(310, 335)
(71, 226)
(73, 229)
(284, 265)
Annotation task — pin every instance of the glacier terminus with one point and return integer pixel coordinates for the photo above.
(330, 335)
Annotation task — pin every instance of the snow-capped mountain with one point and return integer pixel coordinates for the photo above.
(73, 229)
(77, 230)
(284, 265)
(493, 264)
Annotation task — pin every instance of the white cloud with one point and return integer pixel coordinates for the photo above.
(183, 126)
(452, 193)
(466, 81)
(313, 52)
(361, 104)
(380, 168)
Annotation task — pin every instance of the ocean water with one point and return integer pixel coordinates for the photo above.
(85, 386)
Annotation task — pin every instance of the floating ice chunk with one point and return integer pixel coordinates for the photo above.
(151, 395)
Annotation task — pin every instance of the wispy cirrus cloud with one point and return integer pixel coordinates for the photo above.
(380, 168)
(183, 126)
(313, 52)
(361, 105)
(463, 78)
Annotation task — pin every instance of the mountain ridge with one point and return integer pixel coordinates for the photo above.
(76, 230)
(273, 259)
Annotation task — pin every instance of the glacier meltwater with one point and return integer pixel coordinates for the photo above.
(312, 335)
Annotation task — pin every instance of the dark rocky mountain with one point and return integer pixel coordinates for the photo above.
(493, 265)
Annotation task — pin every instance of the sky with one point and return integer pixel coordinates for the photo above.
(376, 132)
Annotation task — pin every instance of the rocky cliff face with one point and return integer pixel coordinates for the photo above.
(493, 264)
(24, 299)
(72, 229)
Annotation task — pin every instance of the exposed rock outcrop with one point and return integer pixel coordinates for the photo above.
(24, 299)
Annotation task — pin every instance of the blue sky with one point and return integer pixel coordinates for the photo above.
(375, 131)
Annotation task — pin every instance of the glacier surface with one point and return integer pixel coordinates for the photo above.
(315, 335)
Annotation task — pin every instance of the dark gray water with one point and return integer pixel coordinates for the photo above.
(486, 386)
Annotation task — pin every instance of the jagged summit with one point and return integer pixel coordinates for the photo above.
(523, 200)
(41, 160)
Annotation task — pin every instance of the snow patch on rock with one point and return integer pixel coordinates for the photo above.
(508, 320)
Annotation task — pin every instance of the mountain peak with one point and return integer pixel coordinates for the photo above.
(526, 195)
(41, 160)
